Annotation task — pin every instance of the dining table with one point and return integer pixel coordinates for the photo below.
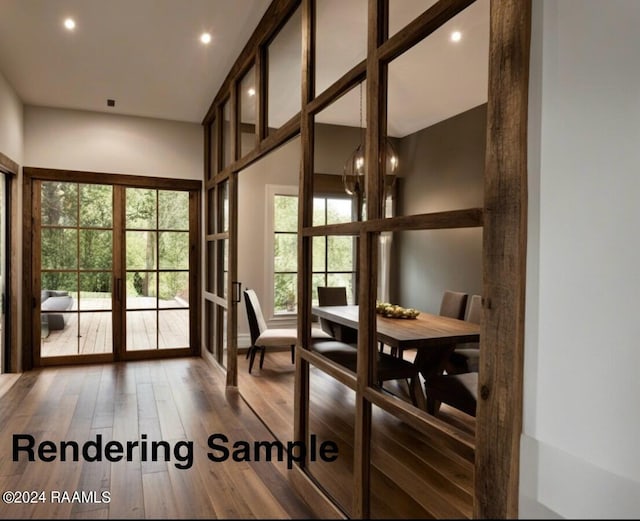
(433, 337)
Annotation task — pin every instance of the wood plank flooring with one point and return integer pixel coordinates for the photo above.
(171, 400)
(411, 478)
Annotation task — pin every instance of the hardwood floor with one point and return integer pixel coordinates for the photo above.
(173, 400)
(412, 477)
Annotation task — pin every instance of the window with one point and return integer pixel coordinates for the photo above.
(333, 256)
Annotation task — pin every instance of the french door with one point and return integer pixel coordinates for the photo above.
(114, 268)
(4, 268)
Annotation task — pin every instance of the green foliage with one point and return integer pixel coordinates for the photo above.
(138, 283)
(330, 254)
(63, 247)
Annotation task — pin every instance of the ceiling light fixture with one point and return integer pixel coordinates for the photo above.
(353, 176)
(70, 24)
(456, 36)
(251, 92)
(205, 38)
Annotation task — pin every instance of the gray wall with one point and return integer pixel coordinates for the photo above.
(441, 168)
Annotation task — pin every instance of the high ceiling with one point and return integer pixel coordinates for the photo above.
(146, 55)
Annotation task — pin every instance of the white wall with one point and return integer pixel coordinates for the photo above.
(580, 456)
(281, 167)
(99, 142)
(11, 119)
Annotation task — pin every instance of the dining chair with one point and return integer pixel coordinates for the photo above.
(389, 367)
(457, 390)
(263, 336)
(335, 296)
(453, 304)
(465, 358)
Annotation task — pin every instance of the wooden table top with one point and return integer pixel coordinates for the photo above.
(425, 331)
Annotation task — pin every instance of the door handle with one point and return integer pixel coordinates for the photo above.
(118, 289)
(237, 286)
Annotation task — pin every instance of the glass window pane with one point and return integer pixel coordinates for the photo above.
(284, 63)
(346, 280)
(226, 135)
(339, 160)
(213, 149)
(247, 99)
(339, 210)
(319, 252)
(402, 12)
(340, 253)
(319, 211)
(173, 291)
(141, 208)
(174, 250)
(285, 255)
(317, 279)
(223, 208)
(141, 290)
(434, 473)
(173, 329)
(95, 290)
(96, 206)
(96, 250)
(141, 250)
(211, 274)
(436, 118)
(337, 55)
(59, 203)
(285, 293)
(223, 260)
(285, 213)
(58, 334)
(142, 329)
(211, 211)
(59, 249)
(173, 210)
(332, 405)
(210, 324)
(59, 291)
(95, 333)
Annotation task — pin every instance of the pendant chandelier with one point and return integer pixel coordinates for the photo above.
(353, 177)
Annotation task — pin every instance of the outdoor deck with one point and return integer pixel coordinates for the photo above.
(94, 334)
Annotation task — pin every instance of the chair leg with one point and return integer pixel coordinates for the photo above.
(433, 406)
(293, 354)
(262, 356)
(252, 351)
(416, 394)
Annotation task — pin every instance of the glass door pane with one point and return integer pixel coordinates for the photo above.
(157, 269)
(76, 269)
(3, 267)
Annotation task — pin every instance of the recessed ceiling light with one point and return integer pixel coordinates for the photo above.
(251, 91)
(456, 36)
(205, 37)
(70, 24)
